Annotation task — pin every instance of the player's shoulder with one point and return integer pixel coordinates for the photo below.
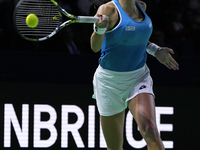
(142, 4)
(107, 8)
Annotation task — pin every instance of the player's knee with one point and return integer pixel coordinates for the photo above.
(150, 131)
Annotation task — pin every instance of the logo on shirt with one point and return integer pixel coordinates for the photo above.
(130, 28)
(150, 25)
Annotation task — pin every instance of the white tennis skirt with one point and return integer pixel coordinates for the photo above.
(112, 90)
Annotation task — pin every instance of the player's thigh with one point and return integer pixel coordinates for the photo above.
(113, 127)
(143, 109)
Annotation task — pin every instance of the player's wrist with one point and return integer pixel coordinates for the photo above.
(152, 49)
(99, 30)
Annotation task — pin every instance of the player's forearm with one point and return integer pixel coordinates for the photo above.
(96, 42)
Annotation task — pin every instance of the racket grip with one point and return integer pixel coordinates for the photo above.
(87, 19)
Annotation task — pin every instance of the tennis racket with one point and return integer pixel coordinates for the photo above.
(50, 20)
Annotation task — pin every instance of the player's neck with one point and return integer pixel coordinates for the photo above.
(128, 5)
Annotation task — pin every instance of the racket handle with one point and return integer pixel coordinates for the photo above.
(87, 19)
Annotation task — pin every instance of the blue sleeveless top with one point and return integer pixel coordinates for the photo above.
(124, 47)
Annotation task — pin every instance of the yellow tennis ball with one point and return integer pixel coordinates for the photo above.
(32, 20)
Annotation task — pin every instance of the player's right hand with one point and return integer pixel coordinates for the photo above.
(103, 21)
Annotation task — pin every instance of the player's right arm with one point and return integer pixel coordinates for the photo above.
(104, 13)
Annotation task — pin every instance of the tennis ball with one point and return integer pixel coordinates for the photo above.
(32, 20)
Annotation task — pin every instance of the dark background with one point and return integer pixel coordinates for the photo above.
(47, 72)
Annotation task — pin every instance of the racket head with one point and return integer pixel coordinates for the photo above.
(49, 19)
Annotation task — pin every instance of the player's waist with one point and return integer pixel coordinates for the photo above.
(122, 65)
(122, 77)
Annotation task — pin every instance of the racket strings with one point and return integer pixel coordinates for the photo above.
(48, 18)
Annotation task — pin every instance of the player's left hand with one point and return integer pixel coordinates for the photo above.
(164, 56)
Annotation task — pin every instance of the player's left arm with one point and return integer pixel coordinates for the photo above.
(163, 55)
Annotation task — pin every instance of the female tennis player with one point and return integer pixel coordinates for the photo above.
(123, 79)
